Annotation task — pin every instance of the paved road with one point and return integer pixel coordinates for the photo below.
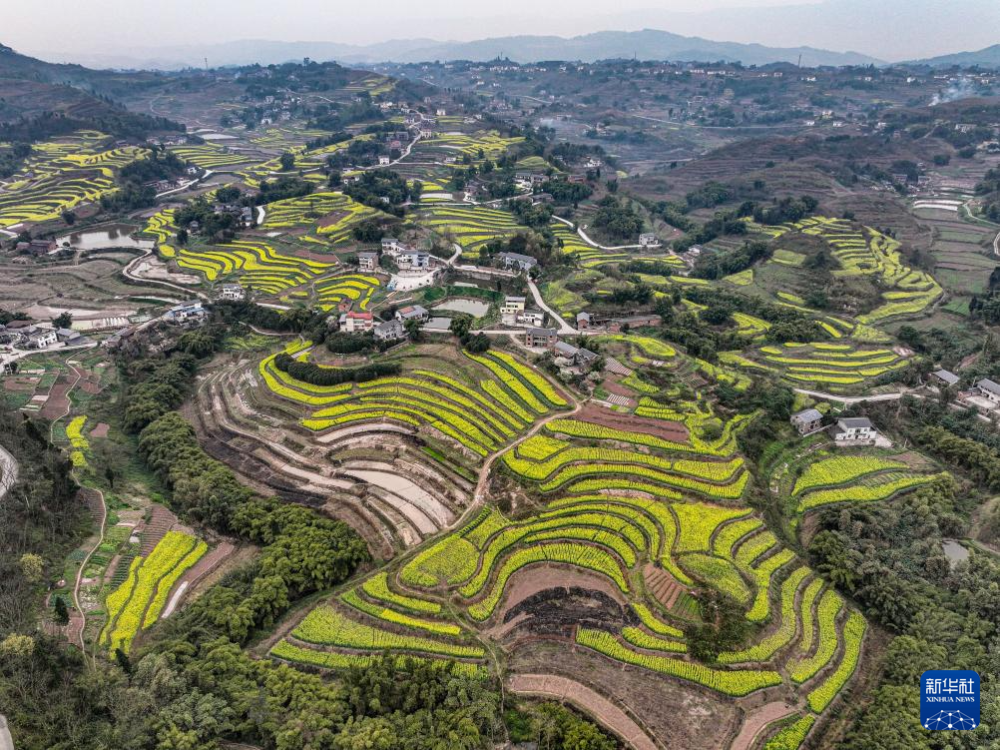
(564, 328)
(854, 399)
(6, 742)
(8, 475)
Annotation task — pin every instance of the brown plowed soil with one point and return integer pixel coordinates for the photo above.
(657, 427)
(662, 585)
(160, 522)
(57, 403)
(101, 431)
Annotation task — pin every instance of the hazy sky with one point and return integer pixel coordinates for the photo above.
(886, 29)
(102, 25)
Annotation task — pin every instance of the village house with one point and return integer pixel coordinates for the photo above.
(355, 322)
(582, 321)
(517, 261)
(617, 325)
(69, 337)
(414, 259)
(389, 244)
(412, 312)
(37, 337)
(510, 308)
(854, 431)
(37, 247)
(648, 239)
(944, 378)
(186, 313)
(367, 261)
(989, 390)
(530, 319)
(540, 337)
(391, 330)
(807, 421)
(231, 293)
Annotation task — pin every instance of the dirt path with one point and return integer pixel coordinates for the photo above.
(757, 720)
(83, 565)
(563, 689)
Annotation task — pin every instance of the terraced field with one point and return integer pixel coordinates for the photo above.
(256, 265)
(137, 603)
(335, 214)
(210, 156)
(487, 568)
(834, 366)
(469, 226)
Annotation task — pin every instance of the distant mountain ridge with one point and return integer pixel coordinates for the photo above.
(648, 44)
(989, 57)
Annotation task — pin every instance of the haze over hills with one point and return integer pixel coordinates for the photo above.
(988, 57)
(648, 44)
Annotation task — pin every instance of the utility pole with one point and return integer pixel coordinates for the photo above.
(206, 62)
(800, 60)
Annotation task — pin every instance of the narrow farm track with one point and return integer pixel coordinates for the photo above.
(757, 720)
(581, 696)
(128, 273)
(86, 561)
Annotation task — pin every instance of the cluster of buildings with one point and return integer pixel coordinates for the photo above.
(409, 259)
(513, 312)
(25, 334)
(386, 331)
(846, 431)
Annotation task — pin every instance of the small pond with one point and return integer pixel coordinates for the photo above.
(100, 238)
(474, 307)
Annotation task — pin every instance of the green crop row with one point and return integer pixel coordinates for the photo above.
(854, 633)
(766, 648)
(734, 683)
(829, 607)
(326, 626)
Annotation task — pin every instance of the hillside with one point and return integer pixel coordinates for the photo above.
(648, 44)
(988, 57)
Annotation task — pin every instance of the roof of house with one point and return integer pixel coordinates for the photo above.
(807, 415)
(508, 299)
(565, 349)
(367, 255)
(583, 316)
(988, 385)
(519, 258)
(539, 332)
(390, 328)
(948, 377)
(359, 315)
(854, 423)
(413, 311)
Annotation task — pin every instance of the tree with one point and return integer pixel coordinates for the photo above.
(62, 613)
(287, 161)
(461, 325)
(412, 327)
(32, 566)
(63, 320)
